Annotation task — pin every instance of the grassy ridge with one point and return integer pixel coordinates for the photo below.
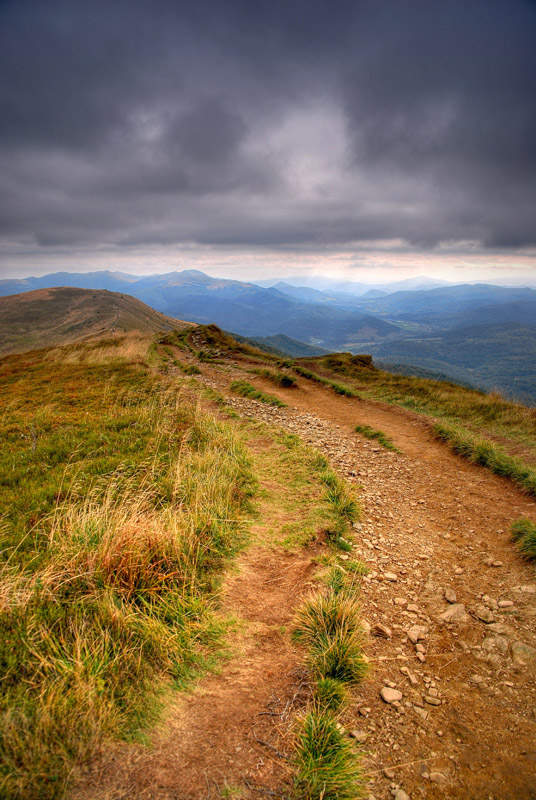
(123, 502)
(487, 454)
(246, 389)
(338, 388)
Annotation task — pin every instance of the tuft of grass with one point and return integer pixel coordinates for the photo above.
(330, 694)
(329, 625)
(326, 761)
(343, 504)
(524, 535)
(487, 454)
(278, 378)
(338, 388)
(246, 389)
(188, 369)
(379, 436)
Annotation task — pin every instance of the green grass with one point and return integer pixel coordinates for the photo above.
(379, 436)
(122, 504)
(327, 764)
(487, 454)
(278, 378)
(328, 624)
(338, 388)
(343, 504)
(246, 389)
(524, 535)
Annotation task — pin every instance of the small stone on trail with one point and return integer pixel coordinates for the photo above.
(359, 736)
(528, 589)
(389, 695)
(389, 773)
(450, 595)
(400, 794)
(416, 632)
(400, 601)
(413, 608)
(455, 613)
(390, 576)
(458, 571)
(439, 778)
(484, 614)
(382, 630)
(432, 701)
(506, 603)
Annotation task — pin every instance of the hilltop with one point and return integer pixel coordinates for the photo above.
(55, 316)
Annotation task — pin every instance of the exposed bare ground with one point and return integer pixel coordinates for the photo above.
(466, 724)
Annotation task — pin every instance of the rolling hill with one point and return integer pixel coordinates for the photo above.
(50, 317)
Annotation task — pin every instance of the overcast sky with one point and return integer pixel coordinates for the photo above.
(371, 139)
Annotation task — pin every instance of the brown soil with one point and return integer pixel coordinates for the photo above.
(466, 725)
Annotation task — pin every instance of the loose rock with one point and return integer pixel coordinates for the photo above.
(455, 613)
(389, 695)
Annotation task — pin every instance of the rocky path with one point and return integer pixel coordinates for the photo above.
(450, 708)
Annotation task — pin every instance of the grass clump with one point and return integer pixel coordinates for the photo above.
(338, 388)
(330, 694)
(326, 761)
(343, 505)
(246, 389)
(329, 625)
(487, 454)
(524, 535)
(188, 369)
(278, 378)
(379, 436)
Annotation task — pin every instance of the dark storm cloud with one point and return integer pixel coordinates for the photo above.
(268, 123)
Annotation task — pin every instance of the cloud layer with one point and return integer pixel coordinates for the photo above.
(305, 124)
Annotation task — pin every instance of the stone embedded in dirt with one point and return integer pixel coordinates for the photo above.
(527, 589)
(450, 595)
(416, 632)
(389, 695)
(390, 576)
(432, 701)
(439, 777)
(364, 711)
(389, 773)
(413, 608)
(458, 571)
(491, 643)
(500, 628)
(505, 603)
(523, 654)
(400, 794)
(455, 613)
(382, 630)
(359, 736)
(400, 601)
(484, 614)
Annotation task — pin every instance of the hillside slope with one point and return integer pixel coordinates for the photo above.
(50, 317)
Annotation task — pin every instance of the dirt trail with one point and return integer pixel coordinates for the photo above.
(222, 738)
(433, 526)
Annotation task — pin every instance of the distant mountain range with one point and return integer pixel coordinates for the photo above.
(480, 334)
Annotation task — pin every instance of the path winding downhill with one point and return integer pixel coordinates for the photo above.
(435, 535)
